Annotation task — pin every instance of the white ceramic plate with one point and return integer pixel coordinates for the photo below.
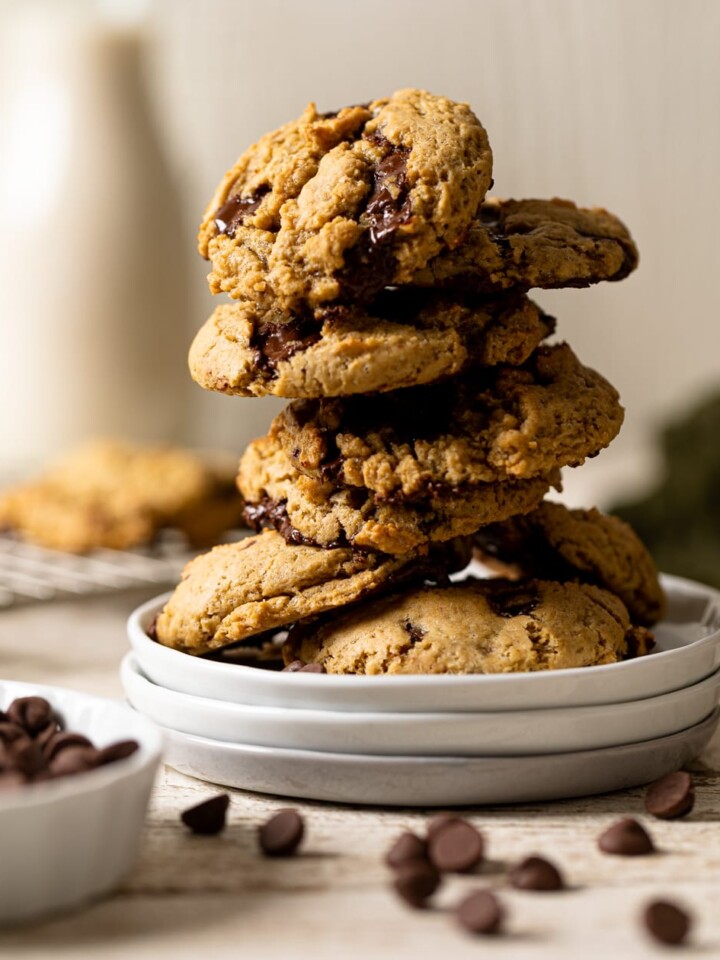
(433, 781)
(70, 840)
(503, 733)
(688, 649)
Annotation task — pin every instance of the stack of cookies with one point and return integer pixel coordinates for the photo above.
(375, 286)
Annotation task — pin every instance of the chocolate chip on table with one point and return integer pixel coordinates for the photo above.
(438, 821)
(480, 912)
(281, 835)
(671, 796)
(120, 750)
(536, 873)
(626, 838)
(207, 818)
(416, 881)
(666, 922)
(407, 847)
(456, 847)
(31, 713)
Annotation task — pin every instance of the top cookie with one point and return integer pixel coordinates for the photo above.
(339, 205)
(534, 243)
(561, 544)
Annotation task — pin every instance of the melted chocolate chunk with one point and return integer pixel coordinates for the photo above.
(495, 228)
(513, 601)
(272, 514)
(370, 265)
(415, 633)
(231, 214)
(274, 342)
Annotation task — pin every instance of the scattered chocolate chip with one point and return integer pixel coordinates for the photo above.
(60, 741)
(666, 922)
(456, 847)
(31, 713)
(120, 750)
(626, 838)
(480, 912)
(439, 821)
(152, 629)
(671, 796)
(407, 847)
(73, 759)
(280, 836)
(207, 818)
(415, 881)
(536, 873)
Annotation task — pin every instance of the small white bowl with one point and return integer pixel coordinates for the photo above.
(67, 841)
(688, 649)
(503, 733)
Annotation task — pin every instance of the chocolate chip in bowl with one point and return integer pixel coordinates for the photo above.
(75, 778)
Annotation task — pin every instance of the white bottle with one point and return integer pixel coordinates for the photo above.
(92, 257)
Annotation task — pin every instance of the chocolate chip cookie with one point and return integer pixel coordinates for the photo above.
(241, 589)
(403, 339)
(564, 544)
(339, 205)
(493, 425)
(476, 626)
(534, 243)
(307, 510)
(117, 495)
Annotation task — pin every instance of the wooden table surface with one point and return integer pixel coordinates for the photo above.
(207, 898)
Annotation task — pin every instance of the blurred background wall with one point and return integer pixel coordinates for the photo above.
(614, 103)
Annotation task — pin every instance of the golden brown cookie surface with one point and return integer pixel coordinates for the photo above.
(534, 243)
(401, 340)
(261, 583)
(477, 626)
(340, 205)
(305, 509)
(492, 425)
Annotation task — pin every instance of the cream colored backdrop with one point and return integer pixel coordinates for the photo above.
(614, 103)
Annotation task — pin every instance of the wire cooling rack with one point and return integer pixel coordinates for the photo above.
(30, 573)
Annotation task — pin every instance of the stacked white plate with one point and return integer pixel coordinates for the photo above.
(438, 740)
